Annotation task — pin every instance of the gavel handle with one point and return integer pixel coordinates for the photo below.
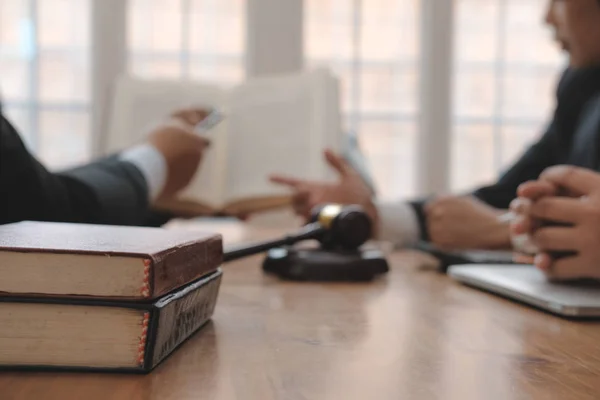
(310, 231)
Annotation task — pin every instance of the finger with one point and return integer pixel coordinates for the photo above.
(556, 239)
(185, 116)
(192, 116)
(543, 262)
(301, 204)
(524, 244)
(338, 163)
(519, 258)
(520, 205)
(521, 225)
(199, 114)
(560, 209)
(578, 181)
(569, 268)
(202, 141)
(293, 183)
(197, 141)
(534, 190)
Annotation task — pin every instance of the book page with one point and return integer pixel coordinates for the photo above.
(327, 120)
(279, 125)
(140, 105)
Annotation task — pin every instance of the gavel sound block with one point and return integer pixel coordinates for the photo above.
(341, 233)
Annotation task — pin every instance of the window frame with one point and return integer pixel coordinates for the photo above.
(283, 20)
(274, 43)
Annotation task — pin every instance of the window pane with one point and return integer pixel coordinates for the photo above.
(475, 94)
(64, 76)
(15, 27)
(515, 140)
(506, 70)
(388, 88)
(217, 27)
(472, 156)
(389, 146)
(476, 32)
(328, 29)
(155, 25)
(226, 72)
(389, 29)
(535, 87)
(373, 48)
(527, 40)
(148, 67)
(202, 39)
(44, 65)
(64, 138)
(16, 34)
(15, 84)
(63, 23)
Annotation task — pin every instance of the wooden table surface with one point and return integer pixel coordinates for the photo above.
(414, 334)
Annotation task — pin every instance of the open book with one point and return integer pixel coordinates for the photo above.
(278, 124)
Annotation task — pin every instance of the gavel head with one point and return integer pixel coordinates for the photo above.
(346, 227)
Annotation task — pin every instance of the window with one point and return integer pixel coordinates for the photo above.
(505, 72)
(198, 39)
(506, 68)
(44, 76)
(373, 47)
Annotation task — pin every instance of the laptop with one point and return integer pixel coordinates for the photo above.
(448, 258)
(526, 284)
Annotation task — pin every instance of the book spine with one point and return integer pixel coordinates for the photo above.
(180, 318)
(175, 269)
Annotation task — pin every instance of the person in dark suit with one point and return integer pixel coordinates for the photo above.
(116, 190)
(472, 221)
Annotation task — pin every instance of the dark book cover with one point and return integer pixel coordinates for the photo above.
(164, 325)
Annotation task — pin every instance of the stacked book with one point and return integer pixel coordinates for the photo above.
(94, 297)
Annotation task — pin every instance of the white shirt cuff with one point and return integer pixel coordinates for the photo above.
(152, 165)
(398, 224)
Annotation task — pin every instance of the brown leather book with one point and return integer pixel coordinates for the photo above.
(88, 334)
(112, 262)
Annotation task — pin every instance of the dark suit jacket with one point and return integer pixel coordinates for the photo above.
(572, 137)
(108, 191)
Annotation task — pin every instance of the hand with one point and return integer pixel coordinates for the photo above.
(349, 189)
(579, 208)
(181, 148)
(465, 223)
(523, 225)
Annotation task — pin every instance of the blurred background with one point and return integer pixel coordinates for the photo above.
(57, 57)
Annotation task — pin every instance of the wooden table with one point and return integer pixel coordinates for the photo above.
(414, 334)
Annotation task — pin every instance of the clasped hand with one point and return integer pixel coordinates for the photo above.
(560, 214)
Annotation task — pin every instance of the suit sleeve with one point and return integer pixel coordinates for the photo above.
(108, 191)
(574, 90)
(529, 167)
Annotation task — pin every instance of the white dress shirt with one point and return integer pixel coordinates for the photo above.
(398, 223)
(152, 165)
